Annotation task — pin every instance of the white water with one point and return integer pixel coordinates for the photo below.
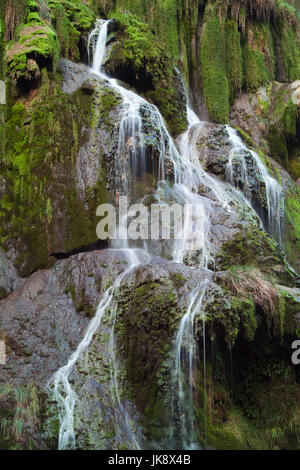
(274, 192)
(188, 176)
(62, 391)
(186, 354)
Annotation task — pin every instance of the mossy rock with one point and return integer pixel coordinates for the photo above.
(41, 211)
(72, 21)
(148, 315)
(292, 227)
(136, 57)
(36, 46)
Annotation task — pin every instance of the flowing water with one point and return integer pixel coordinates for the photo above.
(188, 175)
(62, 391)
(186, 354)
(274, 192)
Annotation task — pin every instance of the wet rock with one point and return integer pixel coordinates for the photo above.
(76, 76)
(9, 279)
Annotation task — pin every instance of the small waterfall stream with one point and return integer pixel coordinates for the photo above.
(274, 192)
(63, 393)
(186, 354)
(188, 176)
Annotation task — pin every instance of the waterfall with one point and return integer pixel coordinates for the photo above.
(60, 386)
(186, 353)
(274, 192)
(188, 175)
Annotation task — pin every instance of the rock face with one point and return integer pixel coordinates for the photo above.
(43, 322)
(62, 184)
(270, 118)
(9, 279)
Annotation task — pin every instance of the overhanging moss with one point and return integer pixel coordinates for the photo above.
(234, 59)
(259, 60)
(215, 84)
(292, 227)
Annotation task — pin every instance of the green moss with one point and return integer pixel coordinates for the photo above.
(234, 59)
(70, 20)
(42, 140)
(137, 57)
(292, 227)
(246, 138)
(149, 316)
(163, 16)
(215, 83)
(34, 41)
(290, 44)
(255, 70)
(278, 147)
(248, 249)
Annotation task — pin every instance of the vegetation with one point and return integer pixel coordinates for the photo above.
(24, 418)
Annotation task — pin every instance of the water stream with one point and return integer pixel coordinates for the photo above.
(188, 175)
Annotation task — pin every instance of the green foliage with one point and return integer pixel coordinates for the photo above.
(26, 412)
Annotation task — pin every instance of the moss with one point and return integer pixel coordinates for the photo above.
(245, 249)
(2, 42)
(35, 41)
(234, 59)
(137, 58)
(246, 137)
(290, 44)
(70, 20)
(278, 147)
(42, 141)
(215, 83)
(292, 227)
(255, 71)
(148, 316)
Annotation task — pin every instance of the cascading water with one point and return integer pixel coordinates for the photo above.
(274, 192)
(186, 354)
(188, 176)
(62, 391)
